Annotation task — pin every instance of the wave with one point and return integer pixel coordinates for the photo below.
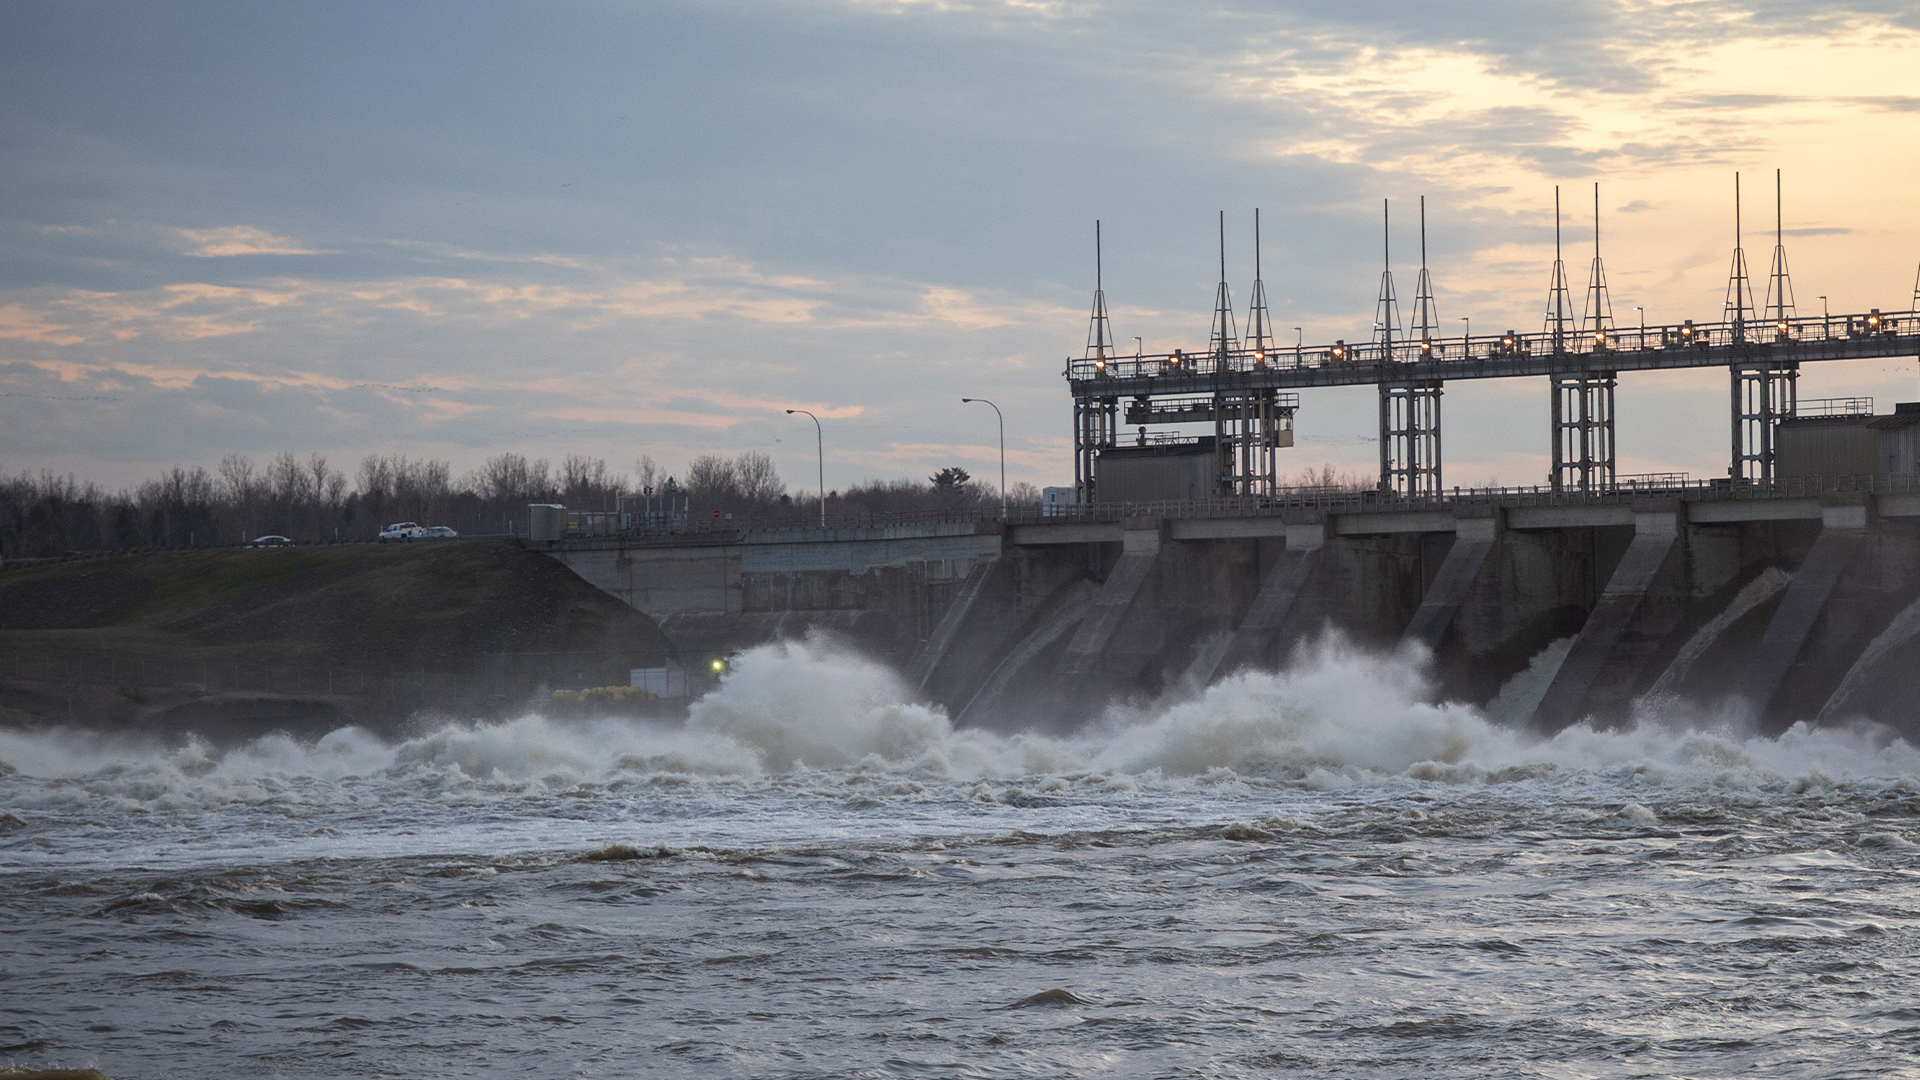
(1337, 716)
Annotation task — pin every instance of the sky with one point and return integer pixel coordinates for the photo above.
(449, 230)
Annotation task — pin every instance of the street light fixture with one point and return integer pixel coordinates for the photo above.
(1823, 317)
(1003, 447)
(1299, 340)
(820, 454)
(1467, 337)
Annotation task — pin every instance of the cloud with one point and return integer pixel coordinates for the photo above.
(1909, 103)
(23, 324)
(628, 228)
(231, 240)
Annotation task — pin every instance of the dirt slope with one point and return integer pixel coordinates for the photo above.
(431, 606)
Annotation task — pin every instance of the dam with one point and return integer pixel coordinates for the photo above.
(1800, 602)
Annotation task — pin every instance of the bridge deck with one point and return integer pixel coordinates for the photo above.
(1655, 348)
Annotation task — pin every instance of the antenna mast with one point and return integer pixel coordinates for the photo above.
(1559, 302)
(1258, 320)
(1099, 330)
(1224, 339)
(1739, 286)
(1426, 317)
(1779, 285)
(1386, 310)
(1598, 319)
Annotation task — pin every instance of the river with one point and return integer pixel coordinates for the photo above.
(1310, 872)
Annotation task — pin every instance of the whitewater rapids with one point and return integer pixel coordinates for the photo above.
(1312, 870)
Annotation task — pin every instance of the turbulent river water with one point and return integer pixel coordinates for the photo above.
(1308, 873)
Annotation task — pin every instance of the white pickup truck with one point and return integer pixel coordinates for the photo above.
(400, 531)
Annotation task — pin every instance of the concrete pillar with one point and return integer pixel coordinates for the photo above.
(1606, 658)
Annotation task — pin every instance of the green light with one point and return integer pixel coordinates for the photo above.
(719, 664)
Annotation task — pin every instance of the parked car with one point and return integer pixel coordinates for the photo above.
(271, 540)
(399, 531)
(436, 532)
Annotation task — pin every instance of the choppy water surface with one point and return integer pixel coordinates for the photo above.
(1299, 874)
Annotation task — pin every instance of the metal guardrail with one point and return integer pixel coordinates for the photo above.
(1512, 354)
(1834, 406)
(1627, 488)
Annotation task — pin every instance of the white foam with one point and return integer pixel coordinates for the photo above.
(1522, 694)
(1337, 717)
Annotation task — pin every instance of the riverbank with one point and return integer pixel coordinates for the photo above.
(302, 637)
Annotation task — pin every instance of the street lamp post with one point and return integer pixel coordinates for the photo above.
(1466, 337)
(820, 452)
(1299, 341)
(1003, 448)
(1643, 326)
(1823, 317)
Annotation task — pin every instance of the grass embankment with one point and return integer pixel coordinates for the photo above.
(430, 606)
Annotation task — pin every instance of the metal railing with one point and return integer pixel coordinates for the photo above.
(1677, 485)
(1833, 406)
(1480, 355)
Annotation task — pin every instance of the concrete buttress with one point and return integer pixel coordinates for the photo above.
(1622, 632)
(935, 649)
(1473, 540)
(1140, 548)
(1842, 530)
(1252, 643)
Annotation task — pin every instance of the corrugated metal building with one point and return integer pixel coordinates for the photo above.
(1857, 445)
(1170, 471)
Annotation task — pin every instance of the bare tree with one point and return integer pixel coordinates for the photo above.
(510, 478)
(647, 476)
(758, 480)
(236, 477)
(587, 483)
(713, 476)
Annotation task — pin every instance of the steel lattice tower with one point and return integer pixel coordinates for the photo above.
(1224, 339)
(1386, 310)
(1739, 305)
(1764, 391)
(1559, 300)
(1409, 408)
(1096, 422)
(1426, 316)
(1597, 320)
(1259, 322)
(1779, 285)
(1583, 428)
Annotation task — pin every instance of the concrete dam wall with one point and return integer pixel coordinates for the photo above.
(1791, 608)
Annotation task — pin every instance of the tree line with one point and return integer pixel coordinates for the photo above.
(311, 501)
